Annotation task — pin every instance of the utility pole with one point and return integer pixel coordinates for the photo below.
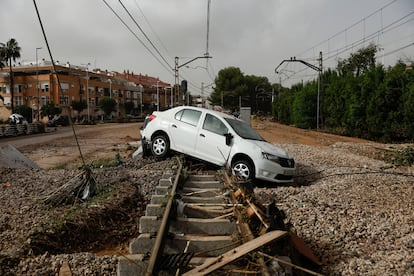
(176, 67)
(318, 69)
(37, 85)
(319, 89)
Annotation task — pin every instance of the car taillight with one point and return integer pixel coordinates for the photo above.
(152, 117)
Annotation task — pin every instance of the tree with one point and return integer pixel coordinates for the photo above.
(358, 62)
(229, 86)
(79, 106)
(304, 106)
(108, 105)
(129, 107)
(25, 111)
(2, 56)
(50, 110)
(10, 52)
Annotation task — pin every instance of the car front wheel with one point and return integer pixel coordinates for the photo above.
(160, 146)
(243, 169)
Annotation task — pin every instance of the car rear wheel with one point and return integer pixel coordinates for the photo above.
(160, 146)
(243, 169)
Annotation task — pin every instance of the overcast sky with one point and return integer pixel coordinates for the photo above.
(254, 35)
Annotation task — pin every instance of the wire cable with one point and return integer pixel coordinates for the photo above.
(58, 80)
(135, 35)
(152, 29)
(145, 35)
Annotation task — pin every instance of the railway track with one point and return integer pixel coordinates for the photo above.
(208, 223)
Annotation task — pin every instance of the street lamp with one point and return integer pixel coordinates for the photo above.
(110, 88)
(158, 97)
(37, 85)
(141, 90)
(87, 89)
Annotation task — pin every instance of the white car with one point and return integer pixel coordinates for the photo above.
(217, 138)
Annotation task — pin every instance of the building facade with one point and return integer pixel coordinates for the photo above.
(36, 85)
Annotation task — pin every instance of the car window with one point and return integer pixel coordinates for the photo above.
(243, 129)
(188, 116)
(178, 115)
(213, 124)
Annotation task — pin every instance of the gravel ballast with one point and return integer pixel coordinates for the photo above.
(354, 211)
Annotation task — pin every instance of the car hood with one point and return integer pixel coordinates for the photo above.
(270, 148)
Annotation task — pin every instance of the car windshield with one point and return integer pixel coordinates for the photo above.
(244, 130)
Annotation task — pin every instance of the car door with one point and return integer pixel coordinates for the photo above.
(183, 129)
(211, 142)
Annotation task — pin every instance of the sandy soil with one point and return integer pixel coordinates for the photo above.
(103, 142)
(95, 143)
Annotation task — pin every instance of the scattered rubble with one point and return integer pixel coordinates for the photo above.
(353, 210)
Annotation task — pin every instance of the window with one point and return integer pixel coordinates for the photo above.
(45, 87)
(3, 88)
(188, 116)
(64, 100)
(18, 88)
(213, 124)
(18, 101)
(45, 100)
(65, 87)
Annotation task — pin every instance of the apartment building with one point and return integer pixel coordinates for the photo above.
(37, 84)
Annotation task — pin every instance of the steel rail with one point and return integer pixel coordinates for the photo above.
(157, 249)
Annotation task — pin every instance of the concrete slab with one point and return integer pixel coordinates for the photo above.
(207, 200)
(10, 157)
(151, 224)
(200, 192)
(162, 190)
(131, 265)
(214, 245)
(203, 184)
(202, 177)
(155, 210)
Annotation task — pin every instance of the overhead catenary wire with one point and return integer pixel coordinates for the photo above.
(136, 36)
(350, 45)
(166, 64)
(152, 29)
(145, 35)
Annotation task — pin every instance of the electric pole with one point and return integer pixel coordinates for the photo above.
(318, 69)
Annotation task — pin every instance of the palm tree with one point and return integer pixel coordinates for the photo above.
(2, 59)
(10, 52)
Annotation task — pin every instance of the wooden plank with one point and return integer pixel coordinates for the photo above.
(228, 257)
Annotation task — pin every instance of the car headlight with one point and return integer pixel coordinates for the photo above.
(271, 157)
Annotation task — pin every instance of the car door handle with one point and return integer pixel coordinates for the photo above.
(202, 135)
(174, 126)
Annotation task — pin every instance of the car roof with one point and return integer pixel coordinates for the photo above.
(217, 113)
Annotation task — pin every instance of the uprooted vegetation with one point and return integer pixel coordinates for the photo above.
(106, 222)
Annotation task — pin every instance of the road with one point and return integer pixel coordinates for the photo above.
(103, 141)
(57, 148)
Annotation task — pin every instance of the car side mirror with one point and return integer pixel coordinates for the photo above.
(229, 138)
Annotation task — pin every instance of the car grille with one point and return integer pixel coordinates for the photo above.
(287, 163)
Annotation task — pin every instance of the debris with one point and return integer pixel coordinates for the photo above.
(228, 257)
(79, 188)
